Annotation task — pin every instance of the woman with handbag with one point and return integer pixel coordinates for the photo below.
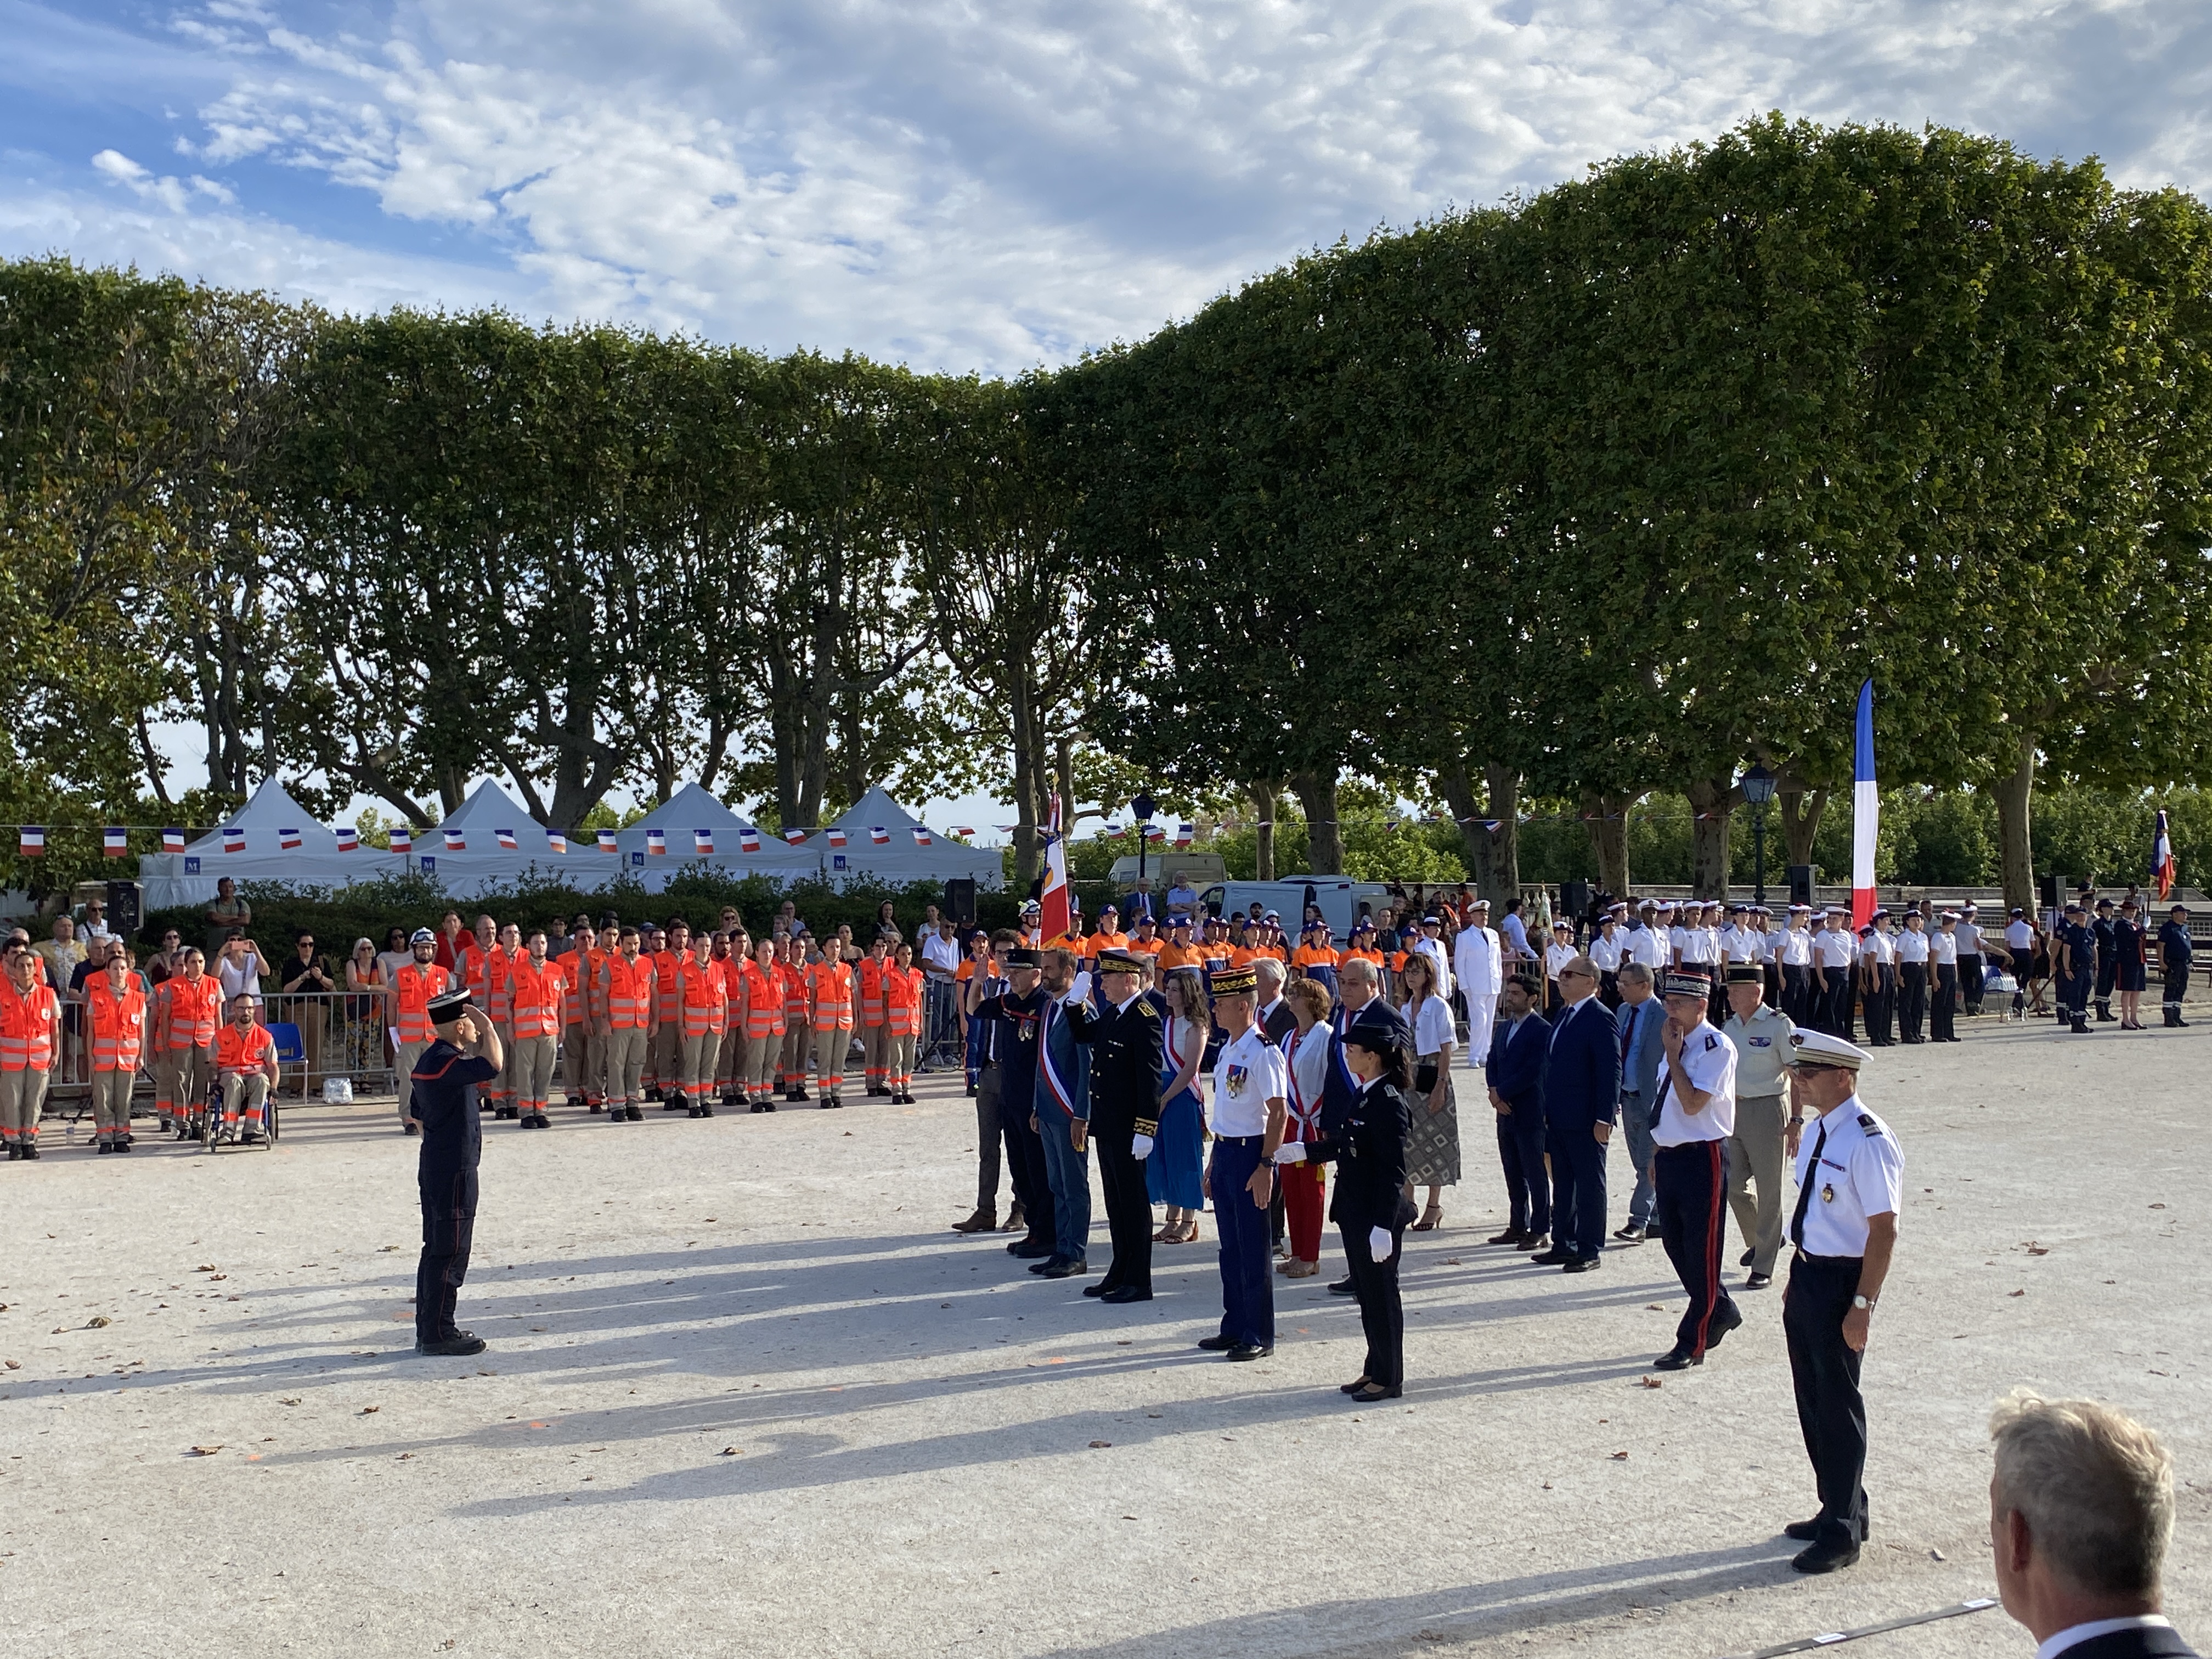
(1432, 1152)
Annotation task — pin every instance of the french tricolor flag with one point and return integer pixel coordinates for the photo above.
(749, 840)
(703, 841)
(1184, 834)
(794, 836)
(656, 843)
(1866, 812)
(288, 840)
(233, 838)
(31, 841)
(2162, 868)
(606, 841)
(349, 838)
(456, 840)
(878, 836)
(173, 840)
(506, 838)
(836, 837)
(114, 842)
(556, 840)
(965, 831)
(920, 836)
(402, 839)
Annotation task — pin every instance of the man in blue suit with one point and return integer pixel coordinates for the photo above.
(1641, 1016)
(1518, 1049)
(1581, 1101)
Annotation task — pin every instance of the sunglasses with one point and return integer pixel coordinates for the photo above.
(1575, 973)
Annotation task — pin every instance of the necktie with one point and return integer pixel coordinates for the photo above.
(1628, 1030)
(1805, 1188)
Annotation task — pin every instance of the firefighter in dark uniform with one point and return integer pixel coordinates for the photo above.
(2174, 955)
(466, 1055)
(1850, 1186)
(2076, 970)
(1126, 1041)
(2108, 960)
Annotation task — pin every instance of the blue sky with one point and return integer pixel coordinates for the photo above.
(955, 183)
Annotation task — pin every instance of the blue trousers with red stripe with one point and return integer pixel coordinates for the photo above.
(1691, 1179)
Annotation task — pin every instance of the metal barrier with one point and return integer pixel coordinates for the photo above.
(342, 1033)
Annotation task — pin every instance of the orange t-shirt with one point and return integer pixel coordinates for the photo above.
(1179, 955)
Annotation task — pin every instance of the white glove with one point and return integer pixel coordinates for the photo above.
(1290, 1152)
(1380, 1244)
(1140, 1147)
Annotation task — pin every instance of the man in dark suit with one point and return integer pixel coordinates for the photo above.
(1126, 1035)
(1277, 1021)
(2081, 1517)
(1582, 1102)
(1518, 1050)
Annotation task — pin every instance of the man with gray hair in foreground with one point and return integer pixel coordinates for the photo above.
(2080, 1512)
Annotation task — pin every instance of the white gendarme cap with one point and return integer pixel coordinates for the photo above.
(1819, 1049)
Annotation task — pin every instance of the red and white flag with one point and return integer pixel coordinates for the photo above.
(1052, 902)
(288, 840)
(703, 841)
(794, 836)
(506, 838)
(173, 840)
(456, 840)
(1184, 834)
(656, 844)
(1866, 810)
(836, 837)
(607, 841)
(749, 840)
(879, 835)
(920, 836)
(2163, 871)
(114, 842)
(402, 839)
(964, 831)
(31, 841)
(349, 838)
(556, 840)
(234, 839)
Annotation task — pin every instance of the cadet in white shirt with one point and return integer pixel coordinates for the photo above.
(1691, 1124)
(1795, 955)
(1912, 978)
(1850, 1187)
(1607, 950)
(1944, 952)
(1973, 970)
(1833, 952)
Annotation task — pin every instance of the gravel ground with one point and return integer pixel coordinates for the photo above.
(746, 1394)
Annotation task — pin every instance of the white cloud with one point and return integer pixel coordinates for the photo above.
(986, 183)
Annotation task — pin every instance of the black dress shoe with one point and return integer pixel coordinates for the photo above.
(1803, 1531)
(1630, 1234)
(1126, 1293)
(1581, 1264)
(1535, 1241)
(1744, 1260)
(1245, 1350)
(1099, 1289)
(1048, 1264)
(1216, 1344)
(105, 1147)
(1511, 1236)
(1551, 1258)
(1724, 1320)
(1030, 1247)
(693, 1112)
(1826, 1558)
(1677, 1360)
(1758, 1281)
(1373, 1392)
(1068, 1269)
(1343, 1287)
(461, 1344)
(1355, 1385)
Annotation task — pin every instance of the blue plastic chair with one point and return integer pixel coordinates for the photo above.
(291, 1049)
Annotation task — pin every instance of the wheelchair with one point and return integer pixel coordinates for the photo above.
(205, 1123)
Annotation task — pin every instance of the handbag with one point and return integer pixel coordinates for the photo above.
(1424, 1077)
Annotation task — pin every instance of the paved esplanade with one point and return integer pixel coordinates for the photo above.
(747, 1395)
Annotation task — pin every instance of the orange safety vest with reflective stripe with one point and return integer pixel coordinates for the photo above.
(1313, 955)
(581, 974)
(626, 990)
(535, 996)
(118, 1024)
(412, 987)
(764, 1001)
(664, 965)
(499, 990)
(794, 994)
(704, 996)
(832, 986)
(902, 990)
(26, 1027)
(187, 1013)
(472, 968)
(243, 1051)
(871, 974)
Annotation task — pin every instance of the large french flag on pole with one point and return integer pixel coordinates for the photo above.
(1866, 812)
(1053, 903)
(2161, 858)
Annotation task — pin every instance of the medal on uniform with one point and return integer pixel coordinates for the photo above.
(1827, 1195)
(1236, 1076)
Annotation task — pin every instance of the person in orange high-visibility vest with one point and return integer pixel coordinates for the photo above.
(115, 1010)
(703, 994)
(730, 1061)
(668, 1037)
(1146, 939)
(903, 994)
(868, 986)
(791, 1073)
(30, 1038)
(580, 1051)
(477, 966)
(536, 993)
(498, 1008)
(188, 1008)
(246, 1065)
(830, 995)
(627, 1013)
(763, 1028)
(413, 984)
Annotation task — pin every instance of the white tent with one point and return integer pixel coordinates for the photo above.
(901, 857)
(686, 814)
(252, 846)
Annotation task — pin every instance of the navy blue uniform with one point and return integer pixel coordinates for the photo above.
(2174, 955)
(1014, 1023)
(1369, 1147)
(2107, 931)
(444, 1082)
(1126, 1048)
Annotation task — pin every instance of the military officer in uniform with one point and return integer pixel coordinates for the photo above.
(1761, 1035)
(2108, 960)
(2076, 967)
(1850, 1186)
(2174, 955)
(1694, 1116)
(465, 1055)
(1251, 1104)
(1126, 1041)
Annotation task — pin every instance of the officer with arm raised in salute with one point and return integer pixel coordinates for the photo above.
(1126, 1041)
(465, 1054)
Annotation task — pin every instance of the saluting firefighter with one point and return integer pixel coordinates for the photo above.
(1850, 1186)
(1126, 1041)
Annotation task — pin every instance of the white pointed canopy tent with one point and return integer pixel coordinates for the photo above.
(258, 833)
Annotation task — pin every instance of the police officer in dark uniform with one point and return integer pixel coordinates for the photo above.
(1126, 1041)
(2174, 955)
(2076, 968)
(465, 1055)
(1018, 1011)
(2108, 960)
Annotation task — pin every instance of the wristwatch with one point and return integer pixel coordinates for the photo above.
(1865, 1303)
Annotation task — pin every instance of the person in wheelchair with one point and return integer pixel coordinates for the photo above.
(245, 1071)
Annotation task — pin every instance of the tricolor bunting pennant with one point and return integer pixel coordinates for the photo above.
(287, 840)
(349, 838)
(506, 838)
(173, 840)
(115, 842)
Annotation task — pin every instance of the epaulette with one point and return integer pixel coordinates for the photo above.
(1146, 1008)
(1867, 1123)
(1711, 1042)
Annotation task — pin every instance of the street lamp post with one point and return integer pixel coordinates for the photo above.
(1142, 809)
(1758, 789)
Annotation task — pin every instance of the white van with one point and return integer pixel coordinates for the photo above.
(1162, 868)
(1339, 897)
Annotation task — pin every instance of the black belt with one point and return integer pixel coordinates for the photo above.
(1241, 1141)
(1804, 1254)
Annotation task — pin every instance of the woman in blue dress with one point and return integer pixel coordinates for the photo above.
(1172, 1172)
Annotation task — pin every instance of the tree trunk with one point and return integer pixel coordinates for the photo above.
(1266, 801)
(1316, 792)
(2014, 792)
(1712, 799)
(1801, 822)
(1458, 783)
(1608, 818)
(1500, 881)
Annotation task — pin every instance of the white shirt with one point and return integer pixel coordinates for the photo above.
(2074, 1635)
(1970, 939)
(1433, 949)
(1861, 1173)
(1249, 1074)
(1648, 945)
(1678, 942)
(1710, 1059)
(1433, 1031)
(1759, 946)
(1944, 948)
(1557, 956)
(1514, 930)
(1605, 954)
(2021, 937)
(1797, 949)
(243, 979)
(1306, 1067)
(1884, 947)
(938, 951)
(1835, 947)
(1912, 946)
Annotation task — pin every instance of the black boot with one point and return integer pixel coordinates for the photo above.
(2081, 1026)
(2104, 1013)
